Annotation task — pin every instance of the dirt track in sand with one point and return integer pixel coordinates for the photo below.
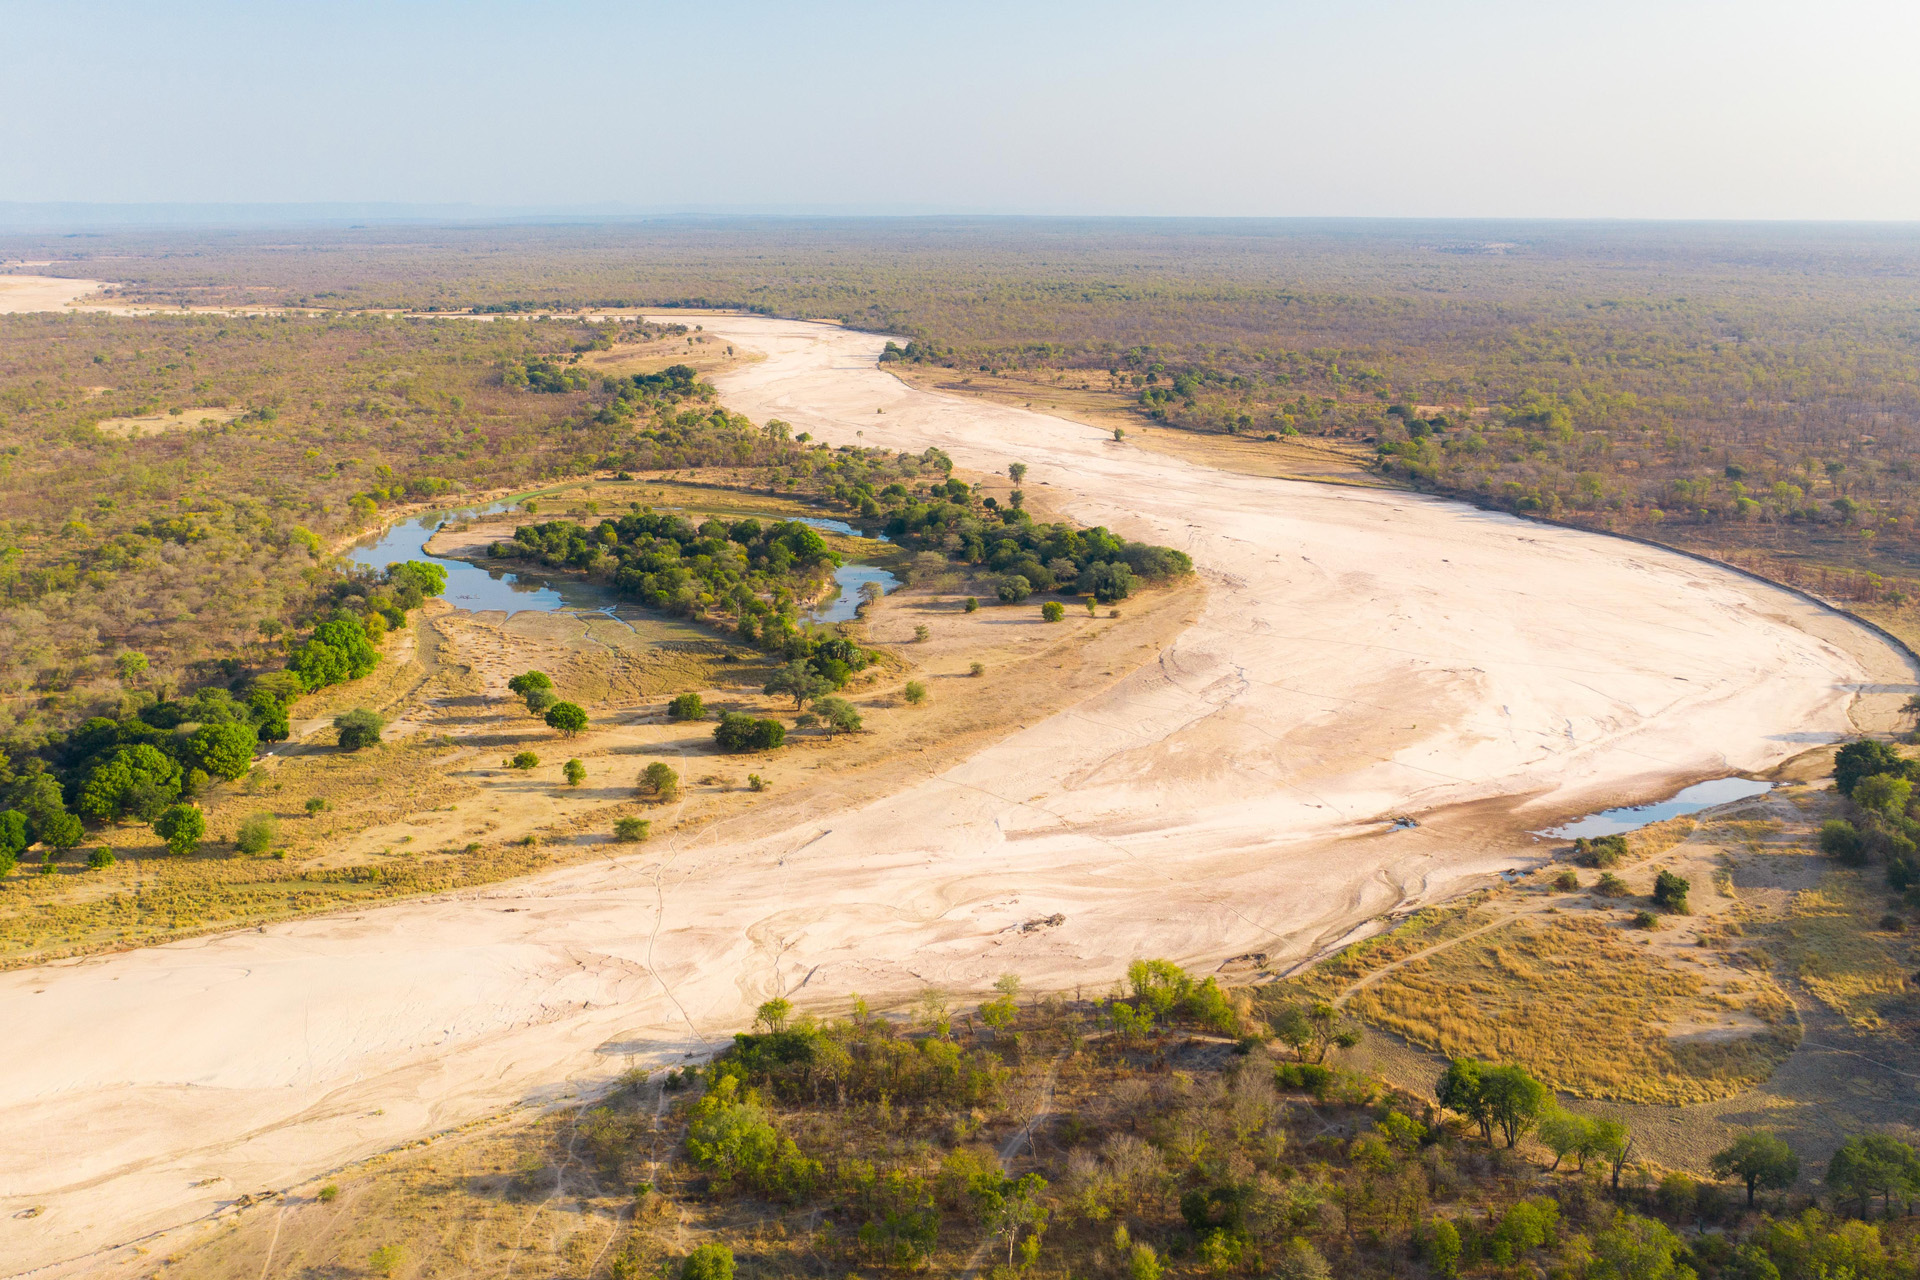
(1361, 654)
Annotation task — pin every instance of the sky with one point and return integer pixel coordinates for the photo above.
(1374, 108)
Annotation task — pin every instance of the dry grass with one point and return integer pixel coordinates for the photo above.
(1585, 1010)
(1831, 942)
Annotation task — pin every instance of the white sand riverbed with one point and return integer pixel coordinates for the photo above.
(43, 293)
(1361, 654)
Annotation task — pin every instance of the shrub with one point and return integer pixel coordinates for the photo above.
(1611, 886)
(1670, 892)
(316, 805)
(659, 781)
(1600, 851)
(182, 826)
(632, 830)
(922, 633)
(527, 683)
(1891, 923)
(757, 783)
(977, 669)
(386, 1259)
(737, 733)
(257, 833)
(1567, 882)
(359, 728)
(839, 715)
(1646, 920)
(972, 605)
(1840, 840)
(688, 706)
(522, 760)
(915, 692)
(566, 719)
(1053, 611)
(708, 1262)
(327, 1194)
(100, 859)
(540, 701)
(576, 773)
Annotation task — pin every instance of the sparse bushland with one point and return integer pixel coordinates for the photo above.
(1043, 1137)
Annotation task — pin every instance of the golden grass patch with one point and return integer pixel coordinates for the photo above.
(1830, 944)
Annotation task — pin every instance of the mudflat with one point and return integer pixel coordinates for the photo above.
(1360, 655)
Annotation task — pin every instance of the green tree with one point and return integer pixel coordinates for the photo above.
(224, 750)
(799, 681)
(1016, 471)
(182, 826)
(566, 719)
(1514, 1100)
(659, 781)
(1873, 1164)
(737, 733)
(257, 833)
(708, 1262)
(524, 761)
(1886, 794)
(773, 1015)
(1565, 1134)
(1670, 892)
(632, 830)
(1612, 1142)
(687, 706)
(13, 835)
(130, 665)
(359, 729)
(1312, 1030)
(839, 715)
(136, 780)
(1053, 611)
(1442, 1247)
(1013, 588)
(1757, 1159)
(528, 681)
(915, 693)
(576, 773)
(1462, 1088)
(1864, 759)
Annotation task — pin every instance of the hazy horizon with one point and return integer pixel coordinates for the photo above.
(1477, 109)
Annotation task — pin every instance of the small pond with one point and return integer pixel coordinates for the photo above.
(1701, 795)
(474, 588)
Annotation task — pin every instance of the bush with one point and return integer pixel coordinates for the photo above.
(708, 1262)
(182, 826)
(1670, 892)
(1311, 1076)
(977, 669)
(1646, 920)
(540, 701)
(359, 728)
(1600, 851)
(566, 719)
(915, 692)
(327, 1194)
(972, 605)
(522, 760)
(838, 714)
(316, 805)
(1891, 923)
(1567, 882)
(632, 830)
(737, 733)
(659, 781)
(386, 1259)
(576, 773)
(257, 833)
(527, 683)
(922, 633)
(1839, 839)
(1053, 611)
(100, 859)
(1610, 885)
(688, 706)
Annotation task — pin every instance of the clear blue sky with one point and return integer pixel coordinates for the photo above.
(1632, 108)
